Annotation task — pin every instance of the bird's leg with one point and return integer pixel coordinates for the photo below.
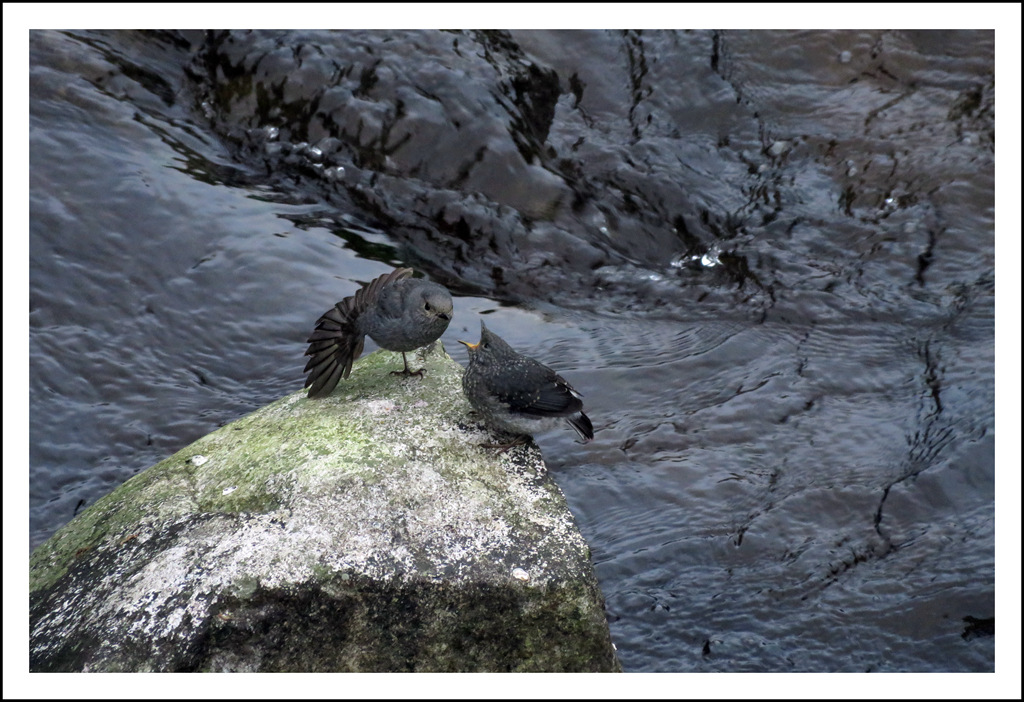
(518, 441)
(406, 371)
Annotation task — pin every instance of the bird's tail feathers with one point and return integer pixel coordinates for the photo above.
(333, 346)
(337, 341)
(581, 423)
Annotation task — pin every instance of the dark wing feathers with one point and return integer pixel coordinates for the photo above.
(550, 396)
(368, 294)
(554, 398)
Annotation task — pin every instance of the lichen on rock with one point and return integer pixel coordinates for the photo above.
(365, 531)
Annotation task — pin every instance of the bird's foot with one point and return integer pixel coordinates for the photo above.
(407, 372)
(518, 441)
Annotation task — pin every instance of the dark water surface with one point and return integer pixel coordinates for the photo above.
(765, 258)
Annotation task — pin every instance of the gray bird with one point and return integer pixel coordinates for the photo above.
(517, 394)
(398, 312)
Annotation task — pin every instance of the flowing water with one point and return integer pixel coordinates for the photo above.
(766, 259)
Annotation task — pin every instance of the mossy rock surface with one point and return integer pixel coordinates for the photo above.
(365, 531)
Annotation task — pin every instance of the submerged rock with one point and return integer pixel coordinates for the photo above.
(366, 531)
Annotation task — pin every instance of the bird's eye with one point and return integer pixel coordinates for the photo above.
(426, 306)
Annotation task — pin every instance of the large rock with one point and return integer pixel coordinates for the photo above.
(366, 531)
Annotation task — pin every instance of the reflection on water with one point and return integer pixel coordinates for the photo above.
(792, 442)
